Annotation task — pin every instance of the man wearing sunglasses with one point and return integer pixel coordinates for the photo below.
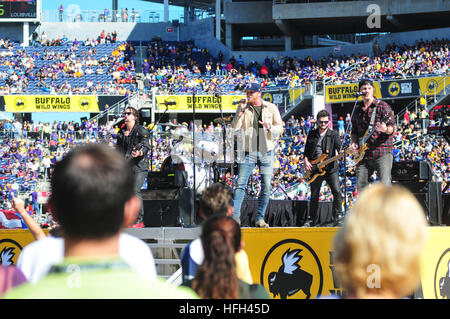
(133, 142)
(323, 140)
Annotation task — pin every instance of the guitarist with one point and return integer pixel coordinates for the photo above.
(324, 140)
(379, 154)
(133, 142)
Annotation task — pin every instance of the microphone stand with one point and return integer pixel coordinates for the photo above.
(224, 147)
(151, 135)
(193, 210)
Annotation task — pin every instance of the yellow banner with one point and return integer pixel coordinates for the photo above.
(345, 92)
(12, 241)
(310, 252)
(433, 85)
(51, 103)
(296, 93)
(207, 103)
(435, 272)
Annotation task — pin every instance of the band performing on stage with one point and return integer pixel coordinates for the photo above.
(248, 142)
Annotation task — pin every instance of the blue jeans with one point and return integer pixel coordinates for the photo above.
(383, 166)
(265, 164)
(139, 176)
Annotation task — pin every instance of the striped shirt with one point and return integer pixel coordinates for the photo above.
(379, 143)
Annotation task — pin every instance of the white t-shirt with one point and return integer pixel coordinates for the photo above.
(37, 257)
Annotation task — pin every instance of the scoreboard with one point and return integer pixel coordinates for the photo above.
(19, 10)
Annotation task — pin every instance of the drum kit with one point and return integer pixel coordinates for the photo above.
(201, 160)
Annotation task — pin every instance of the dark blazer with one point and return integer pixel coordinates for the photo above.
(138, 135)
(331, 144)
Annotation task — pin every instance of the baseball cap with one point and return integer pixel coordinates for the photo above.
(254, 87)
(364, 82)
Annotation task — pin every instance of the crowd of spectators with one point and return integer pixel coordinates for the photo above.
(179, 67)
(99, 65)
(103, 65)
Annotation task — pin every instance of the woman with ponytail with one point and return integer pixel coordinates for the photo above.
(216, 278)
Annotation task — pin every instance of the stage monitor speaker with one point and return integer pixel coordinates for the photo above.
(411, 171)
(429, 196)
(174, 212)
(166, 180)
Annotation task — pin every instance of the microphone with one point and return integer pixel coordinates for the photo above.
(359, 94)
(238, 102)
(167, 103)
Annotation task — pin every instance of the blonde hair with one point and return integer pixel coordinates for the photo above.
(386, 229)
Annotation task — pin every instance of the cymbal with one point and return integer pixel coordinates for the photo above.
(226, 120)
(171, 124)
(182, 137)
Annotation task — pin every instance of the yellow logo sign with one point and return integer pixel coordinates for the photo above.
(394, 89)
(432, 86)
(267, 97)
(84, 103)
(292, 269)
(20, 103)
(442, 277)
(9, 252)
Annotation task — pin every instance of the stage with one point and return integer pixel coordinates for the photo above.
(280, 213)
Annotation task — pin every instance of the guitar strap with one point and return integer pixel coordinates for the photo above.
(372, 119)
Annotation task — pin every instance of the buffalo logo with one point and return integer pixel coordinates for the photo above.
(432, 86)
(85, 103)
(292, 269)
(394, 89)
(235, 100)
(267, 97)
(442, 277)
(20, 103)
(172, 102)
(9, 252)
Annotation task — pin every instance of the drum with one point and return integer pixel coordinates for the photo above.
(204, 174)
(207, 151)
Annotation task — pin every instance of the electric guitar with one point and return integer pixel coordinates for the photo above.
(358, 155)
(317, 166)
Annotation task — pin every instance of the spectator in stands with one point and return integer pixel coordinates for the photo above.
(215, 200)
(86, 176)
(377, 252)
(216, 278)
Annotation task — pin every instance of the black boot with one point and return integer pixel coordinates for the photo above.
(338, 220)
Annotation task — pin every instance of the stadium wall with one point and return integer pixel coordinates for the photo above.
(410, 37)
(129, 31)
(400, 38)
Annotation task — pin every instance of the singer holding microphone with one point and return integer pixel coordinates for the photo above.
(259, 125)
(371, 113)
(133, 142)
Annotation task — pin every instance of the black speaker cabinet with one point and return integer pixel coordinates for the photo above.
(411, 171)
(429, 196)
(169, 212)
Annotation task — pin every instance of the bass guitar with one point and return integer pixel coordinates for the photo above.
(318, 166)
